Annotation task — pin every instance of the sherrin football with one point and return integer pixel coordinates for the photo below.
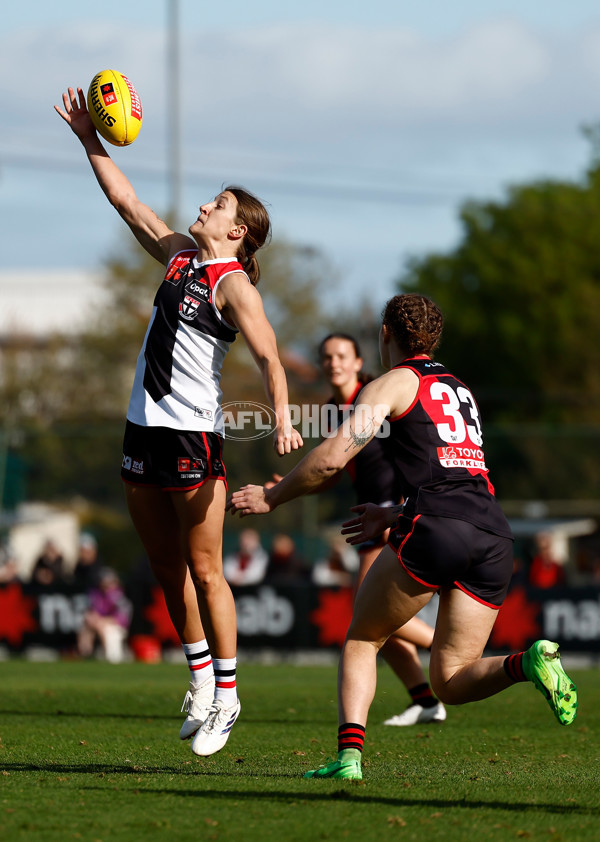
(115, 107)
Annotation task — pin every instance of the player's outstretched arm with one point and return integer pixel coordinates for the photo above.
(321, 463)
(242, 305)
(151, 232)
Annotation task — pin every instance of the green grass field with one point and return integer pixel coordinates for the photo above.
(90, 751)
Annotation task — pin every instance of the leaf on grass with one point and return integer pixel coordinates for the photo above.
(211, 822)
(299, 753)
(396, 821)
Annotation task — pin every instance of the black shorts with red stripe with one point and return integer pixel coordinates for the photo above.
(443, 552)
(174, 460)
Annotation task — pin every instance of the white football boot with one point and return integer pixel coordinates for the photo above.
(214, 733)
(415, 714)
(197, 704)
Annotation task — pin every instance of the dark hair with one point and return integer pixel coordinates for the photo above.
(362, 376)
(252, 213)
(345, 336)
(415, 322)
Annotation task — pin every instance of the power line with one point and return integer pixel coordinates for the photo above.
(302, 189)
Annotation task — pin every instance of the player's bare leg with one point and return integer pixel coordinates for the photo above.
(400, 653)
(458, 672)
(461, 675)
(201, 513)
(157, 525)
(387, 599)
(154, 516)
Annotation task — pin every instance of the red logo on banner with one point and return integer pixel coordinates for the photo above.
(333, 615)
(517, 626)
(16, 614)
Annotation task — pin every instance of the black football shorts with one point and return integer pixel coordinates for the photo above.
(443, 552)
(174, 460)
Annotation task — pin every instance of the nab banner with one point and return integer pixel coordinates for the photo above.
(291, 617)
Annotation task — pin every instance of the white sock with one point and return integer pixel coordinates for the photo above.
(199, 661)
(225, 681)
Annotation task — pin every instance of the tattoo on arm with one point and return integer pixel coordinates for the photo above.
(359, 440)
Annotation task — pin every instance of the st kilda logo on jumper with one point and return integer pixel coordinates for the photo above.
(188, 307)
(107, 91)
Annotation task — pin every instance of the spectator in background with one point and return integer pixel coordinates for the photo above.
(286, 566)
(48, 570)
(335, 571)
(9, 569)
(248, 565)
(106, 620)
(520, 575)
(545, 571)
(88, 566)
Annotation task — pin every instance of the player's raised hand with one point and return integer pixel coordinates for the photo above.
(75, 112)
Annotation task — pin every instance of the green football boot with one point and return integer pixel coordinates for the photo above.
(348, 769)
(542, 666)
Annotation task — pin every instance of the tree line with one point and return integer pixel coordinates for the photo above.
(520, 293)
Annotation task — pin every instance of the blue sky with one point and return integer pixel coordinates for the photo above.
(364, 125)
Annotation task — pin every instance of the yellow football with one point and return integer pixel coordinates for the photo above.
(115, 107)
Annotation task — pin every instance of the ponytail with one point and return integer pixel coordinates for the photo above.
(252, 269)
(252, 213)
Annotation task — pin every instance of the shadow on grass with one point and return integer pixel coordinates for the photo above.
(89, 715)
(361, 797)
(353, 792)
(249, 720)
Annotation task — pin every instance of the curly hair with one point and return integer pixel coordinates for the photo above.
(415, 322)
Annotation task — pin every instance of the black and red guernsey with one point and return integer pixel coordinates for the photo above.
(438, 450)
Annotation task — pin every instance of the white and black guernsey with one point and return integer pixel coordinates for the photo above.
(438, 447)
(178, 369)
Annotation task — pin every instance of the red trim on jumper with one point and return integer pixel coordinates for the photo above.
(476, 598)
(350, 400)
(419, 375)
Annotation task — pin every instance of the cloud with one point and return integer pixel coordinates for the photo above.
(287, 93)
